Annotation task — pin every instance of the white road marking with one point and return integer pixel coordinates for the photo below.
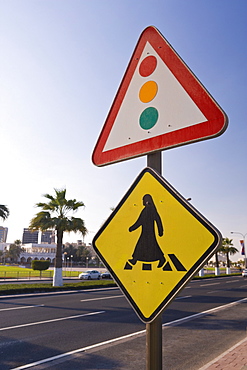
(171, 323)
(203, 313)
(20, 308)
(210, 284)
(186, 296)
(55, 293)
(52, 320)
(78, 350)
(101, 298)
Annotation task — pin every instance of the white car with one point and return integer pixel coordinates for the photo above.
(90, 275)
(244, 273)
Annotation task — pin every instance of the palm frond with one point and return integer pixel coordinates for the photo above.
(42, 221)
(73, 205)
(60, 196)
(76, 224)
(48, 196)
(4, 211)
(45, 206)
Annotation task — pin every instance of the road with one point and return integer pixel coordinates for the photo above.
(40, 326)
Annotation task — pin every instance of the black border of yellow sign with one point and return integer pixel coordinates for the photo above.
(190, 273)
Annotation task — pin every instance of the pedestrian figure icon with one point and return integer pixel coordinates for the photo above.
(147, 249)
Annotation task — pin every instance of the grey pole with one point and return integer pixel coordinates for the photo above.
(154, 329)
(154, 161)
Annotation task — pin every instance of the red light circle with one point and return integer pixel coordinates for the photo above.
(148, 66)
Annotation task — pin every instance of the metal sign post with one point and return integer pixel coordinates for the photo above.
(154, 344)
(154, 329)
(154, 161)
(155, 74)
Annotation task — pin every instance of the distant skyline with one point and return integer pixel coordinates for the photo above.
(60, 68)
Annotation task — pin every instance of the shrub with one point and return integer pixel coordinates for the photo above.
(40, 265)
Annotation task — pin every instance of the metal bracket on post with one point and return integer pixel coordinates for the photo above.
(154, 161)
(154, 329)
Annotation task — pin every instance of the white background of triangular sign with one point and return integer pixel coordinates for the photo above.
(175, 107)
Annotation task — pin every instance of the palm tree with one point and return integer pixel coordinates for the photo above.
(4, 212)
(217, 265)
(14, 251)
(83, 254)
(54, 215)
(228, 249)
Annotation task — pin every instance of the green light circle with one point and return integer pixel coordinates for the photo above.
(148, 118)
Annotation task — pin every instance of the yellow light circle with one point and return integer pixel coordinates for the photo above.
(148, 91)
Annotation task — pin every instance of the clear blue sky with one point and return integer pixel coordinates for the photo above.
(60, 67)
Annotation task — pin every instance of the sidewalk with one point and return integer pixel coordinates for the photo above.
(233, 359)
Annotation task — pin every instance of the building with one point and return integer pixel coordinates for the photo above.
(31, 251)
(48, 237)
(3, 234)
(4, 246)
(30, 236)
(34, 251)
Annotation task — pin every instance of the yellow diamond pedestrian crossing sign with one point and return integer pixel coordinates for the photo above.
(153, 243)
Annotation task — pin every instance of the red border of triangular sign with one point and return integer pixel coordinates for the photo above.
(215, 125)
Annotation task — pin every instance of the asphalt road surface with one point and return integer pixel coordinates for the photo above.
(98, 329)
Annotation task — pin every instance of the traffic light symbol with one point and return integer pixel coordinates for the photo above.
(147, 93)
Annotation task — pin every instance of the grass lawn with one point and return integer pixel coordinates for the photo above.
(16, 272)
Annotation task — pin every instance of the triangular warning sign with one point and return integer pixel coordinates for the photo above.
(160, 104)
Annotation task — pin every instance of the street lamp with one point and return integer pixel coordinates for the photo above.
(71, 261)
(243, 235)
(64, 259)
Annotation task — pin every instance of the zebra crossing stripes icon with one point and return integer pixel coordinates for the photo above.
(175, 261)
(153, 243)
(167, 266)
